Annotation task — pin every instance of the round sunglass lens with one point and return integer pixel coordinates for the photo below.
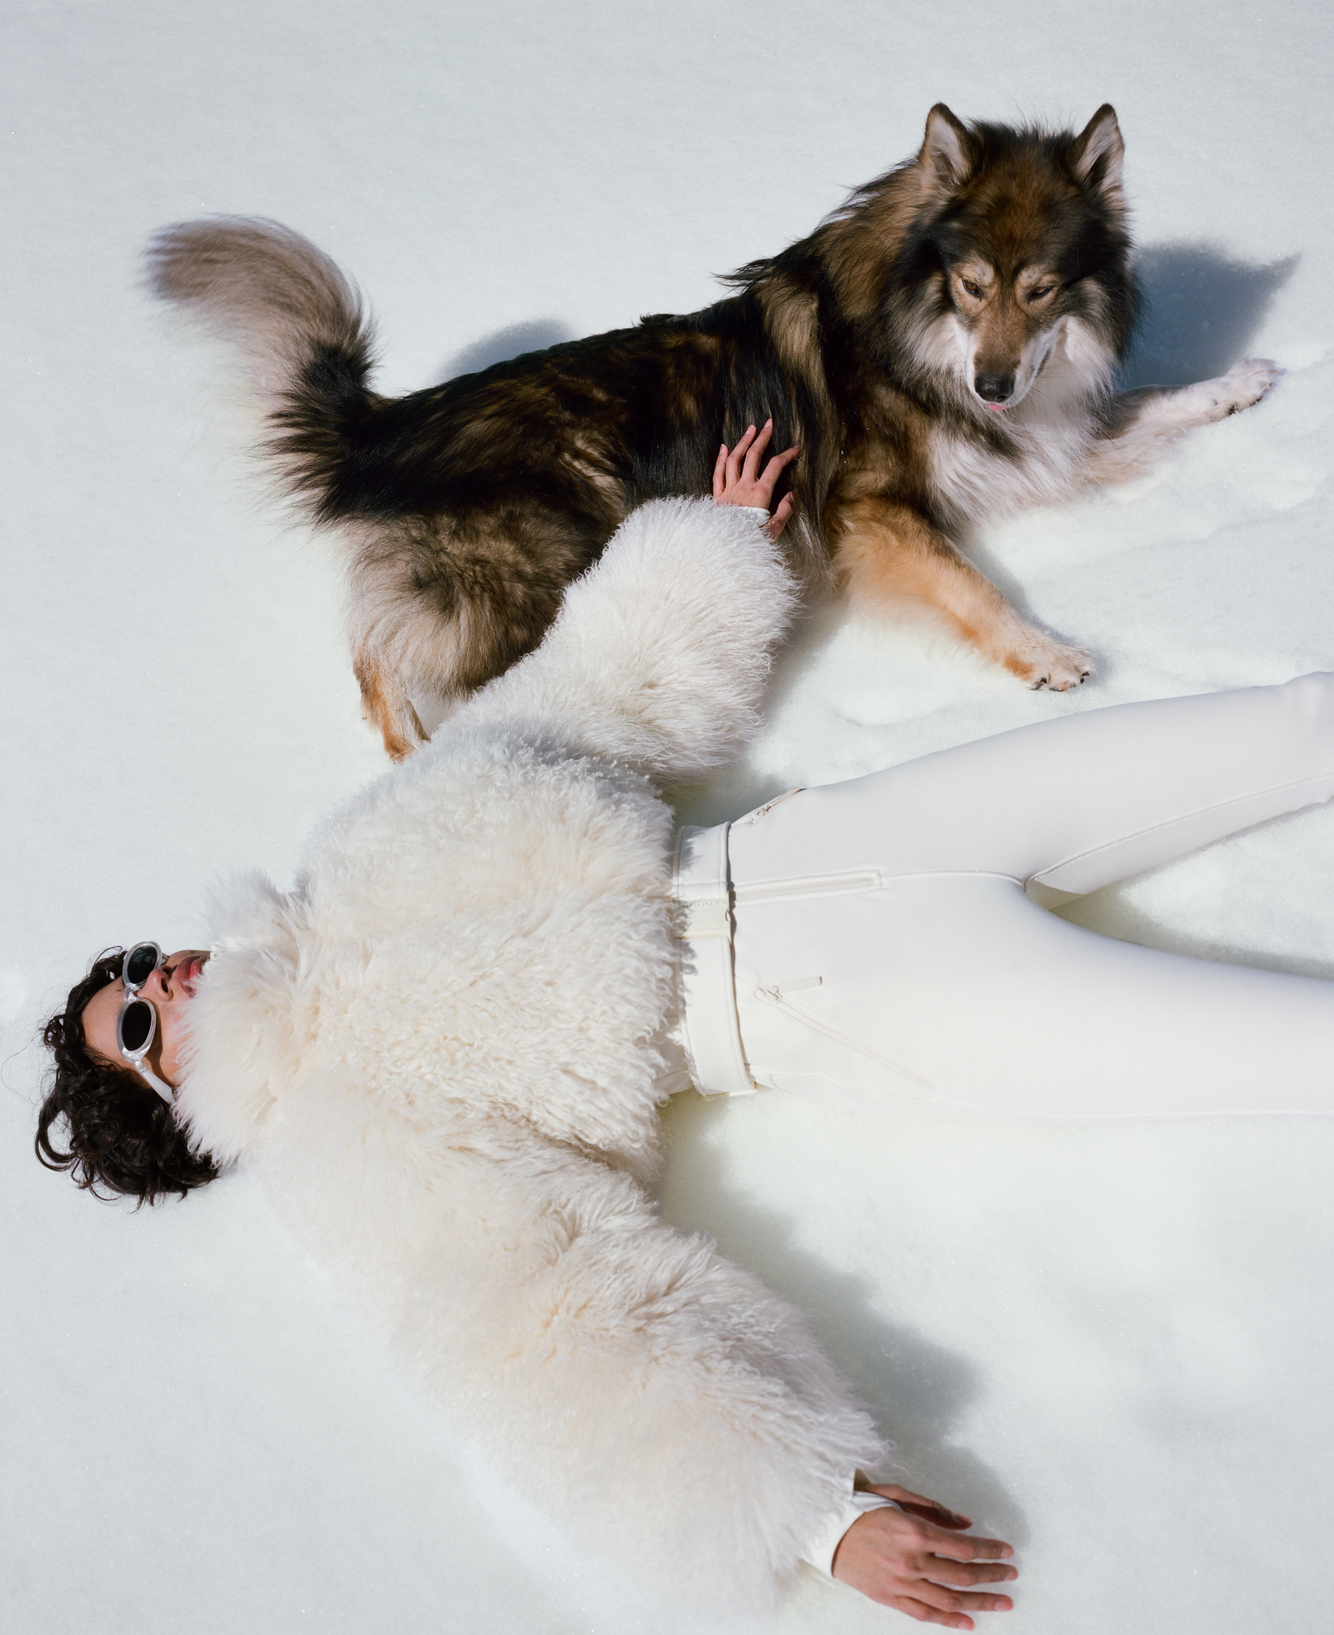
(140, 966)
(136, 1024)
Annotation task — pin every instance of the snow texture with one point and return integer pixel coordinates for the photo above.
(1108, 1344)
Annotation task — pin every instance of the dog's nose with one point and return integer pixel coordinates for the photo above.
(993, 387)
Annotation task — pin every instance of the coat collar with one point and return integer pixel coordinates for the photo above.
(246, 1019)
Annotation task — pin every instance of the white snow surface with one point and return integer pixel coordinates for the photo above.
(1108, 1343)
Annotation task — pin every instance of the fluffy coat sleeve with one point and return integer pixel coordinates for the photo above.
(661, 651)
(439, 1051)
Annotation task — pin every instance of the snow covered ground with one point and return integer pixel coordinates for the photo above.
(1109, 1343)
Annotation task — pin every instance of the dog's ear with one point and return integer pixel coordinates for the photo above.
(947, 157)
(1097, 155)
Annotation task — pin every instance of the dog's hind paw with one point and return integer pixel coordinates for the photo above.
(1045, 661)
(1244, 385)
(385, 704)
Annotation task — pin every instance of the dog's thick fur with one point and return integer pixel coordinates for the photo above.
(943, 348)
(440, 1054)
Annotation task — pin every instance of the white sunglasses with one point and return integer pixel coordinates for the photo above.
(136, 1026)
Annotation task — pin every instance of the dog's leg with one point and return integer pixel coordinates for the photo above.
(1144, 424)
(386, 705)
(888, 553)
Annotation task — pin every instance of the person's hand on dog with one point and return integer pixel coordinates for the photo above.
(913, 1560)
(738, 480)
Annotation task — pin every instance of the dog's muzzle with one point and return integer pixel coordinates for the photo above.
(994, 387)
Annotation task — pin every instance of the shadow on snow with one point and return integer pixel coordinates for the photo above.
(1201, 309)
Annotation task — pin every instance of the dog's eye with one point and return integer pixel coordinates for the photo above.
(975, 290)
(1041, 292)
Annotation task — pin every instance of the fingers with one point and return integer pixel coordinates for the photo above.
(937, 1513)
(953, 1601)
(964, 1577)
(935, 1604)
(782, 515)
(737, 479)
(956, 1548)
(734, 459)
(776, 467)
(767, 481)
(919, 1537)
(779, 461)
(937, 1528)
(928, 1615)
(757, 448)
(950, 1610)
(931, 1605)
(917, 1503)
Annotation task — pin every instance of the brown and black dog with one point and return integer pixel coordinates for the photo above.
(943, 347)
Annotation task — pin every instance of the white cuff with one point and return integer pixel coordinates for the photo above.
(761, 513)
(819, 1552)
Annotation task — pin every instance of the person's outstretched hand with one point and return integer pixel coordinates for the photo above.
(738, 480)
(915, 1560)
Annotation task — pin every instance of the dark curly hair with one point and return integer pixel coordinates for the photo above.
(122, 1135)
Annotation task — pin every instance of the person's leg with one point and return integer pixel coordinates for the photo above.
(958, 990)
(1071, 804)
(882, 940)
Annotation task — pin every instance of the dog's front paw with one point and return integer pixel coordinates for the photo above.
(1045, 661)
(1244, 384)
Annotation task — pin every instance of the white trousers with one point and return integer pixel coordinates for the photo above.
(883, 938)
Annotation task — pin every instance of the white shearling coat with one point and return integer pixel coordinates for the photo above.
(438, 1053)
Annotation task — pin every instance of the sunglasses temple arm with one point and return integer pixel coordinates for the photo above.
(160, 1085)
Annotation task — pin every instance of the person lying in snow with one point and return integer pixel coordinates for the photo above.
(442, 1055)
(443, 1051)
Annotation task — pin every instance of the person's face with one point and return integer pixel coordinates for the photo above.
(169, 990)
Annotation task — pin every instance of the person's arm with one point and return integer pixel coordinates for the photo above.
(661, 652)
(678, 1421)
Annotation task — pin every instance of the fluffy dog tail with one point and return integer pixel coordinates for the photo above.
(302, 331)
